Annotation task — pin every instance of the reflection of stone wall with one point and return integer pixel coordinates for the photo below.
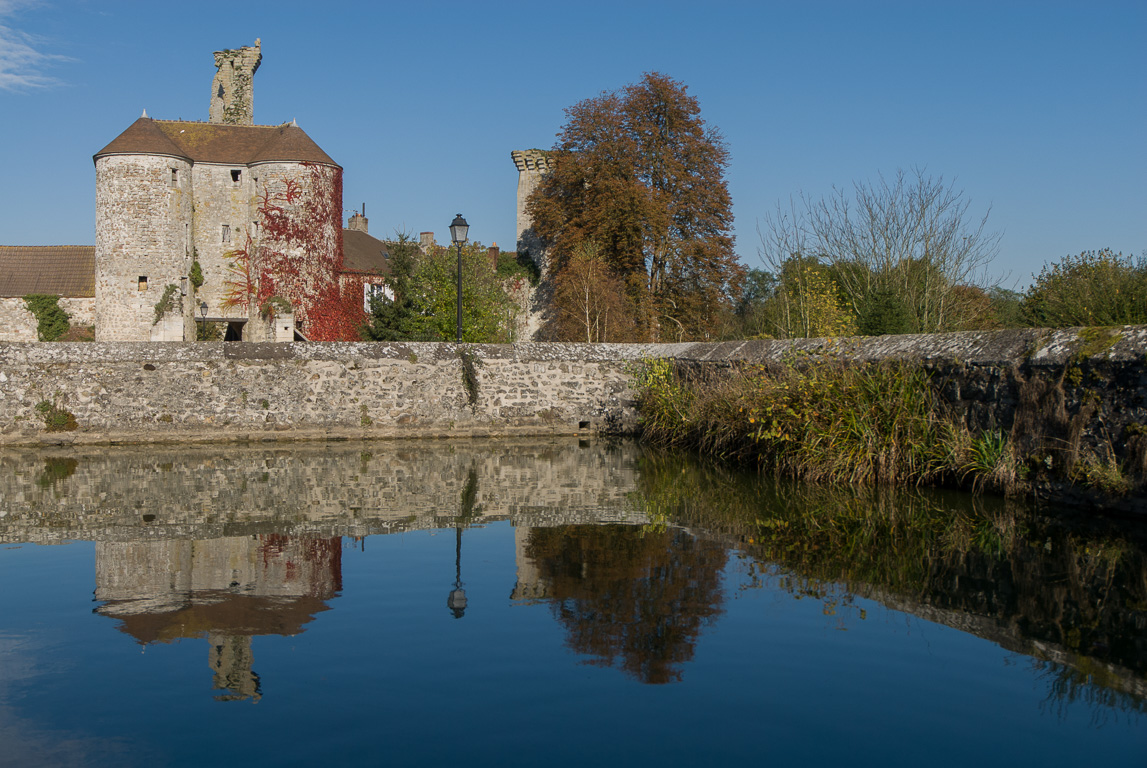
(318, 489)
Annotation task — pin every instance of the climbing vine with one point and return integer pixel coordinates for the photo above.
(52, 321)
(297, 255)
(166, 301)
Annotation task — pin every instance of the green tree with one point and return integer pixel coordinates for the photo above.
(397, 319)
(752, 308)
(1093, 288)
(639, 173)
(424, 307)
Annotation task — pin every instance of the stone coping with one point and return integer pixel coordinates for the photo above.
(1035, 346)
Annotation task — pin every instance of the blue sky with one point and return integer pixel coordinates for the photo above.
(1037, 110)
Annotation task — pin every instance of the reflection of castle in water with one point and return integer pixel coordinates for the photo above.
(195, 542)
(229, 590)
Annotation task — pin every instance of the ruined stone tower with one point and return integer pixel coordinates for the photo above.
(232, 90)
(532, 165)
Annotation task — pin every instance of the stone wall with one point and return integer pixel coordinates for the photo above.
(245, 391)
(18, 324)
(1053, 389)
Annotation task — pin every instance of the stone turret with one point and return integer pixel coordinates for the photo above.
(232, 90)
(532, 165)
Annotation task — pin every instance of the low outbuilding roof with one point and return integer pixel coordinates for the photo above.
(65, 270)
(364, 254)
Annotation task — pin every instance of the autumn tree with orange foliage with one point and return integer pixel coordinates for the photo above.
(638, 173)
(590, 302)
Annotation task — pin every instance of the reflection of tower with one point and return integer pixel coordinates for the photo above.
(227, 589)
(530, 585)
(230, 658)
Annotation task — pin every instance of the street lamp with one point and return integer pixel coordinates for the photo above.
(458, 230)
(203, 314)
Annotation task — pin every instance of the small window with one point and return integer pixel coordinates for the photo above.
(379, 291)
(236, 177)
(142, 283)
(174, 177)
(226, 233)
(183, 286)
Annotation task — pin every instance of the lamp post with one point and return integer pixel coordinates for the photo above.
(458, 230)
(203, 314)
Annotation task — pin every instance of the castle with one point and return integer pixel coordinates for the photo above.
(223, 221)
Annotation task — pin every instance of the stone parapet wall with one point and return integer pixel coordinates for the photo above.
(1069, 385)
(149, 392)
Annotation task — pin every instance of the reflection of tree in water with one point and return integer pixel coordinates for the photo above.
(634, 599)
(1068, 592)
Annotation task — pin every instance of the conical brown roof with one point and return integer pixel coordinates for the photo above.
(143, 137)
(218, 143)
(291, 142)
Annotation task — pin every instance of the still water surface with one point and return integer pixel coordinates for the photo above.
(546, 602)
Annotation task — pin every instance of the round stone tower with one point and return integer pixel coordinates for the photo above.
(143, 215)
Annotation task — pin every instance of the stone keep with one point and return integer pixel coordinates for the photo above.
(171, 192)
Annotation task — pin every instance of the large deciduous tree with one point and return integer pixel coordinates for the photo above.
(639, 176)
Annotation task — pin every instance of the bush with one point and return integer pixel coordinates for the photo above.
(1093, 288)
(52, 321)
(815, 421)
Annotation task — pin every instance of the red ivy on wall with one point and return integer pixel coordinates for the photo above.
(297, 254)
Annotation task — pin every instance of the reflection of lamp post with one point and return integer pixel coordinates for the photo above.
(457, 600)
(458, 230)
(203, 314)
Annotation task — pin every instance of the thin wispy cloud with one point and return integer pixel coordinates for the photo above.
(22, 59)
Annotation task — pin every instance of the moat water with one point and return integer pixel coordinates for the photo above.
(547, 602)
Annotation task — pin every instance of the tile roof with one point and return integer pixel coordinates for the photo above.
(364, 254)
(65, 270)
(217, 143)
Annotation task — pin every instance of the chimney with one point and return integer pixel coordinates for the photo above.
(426, 241)
(357, 222)
(492, 255)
